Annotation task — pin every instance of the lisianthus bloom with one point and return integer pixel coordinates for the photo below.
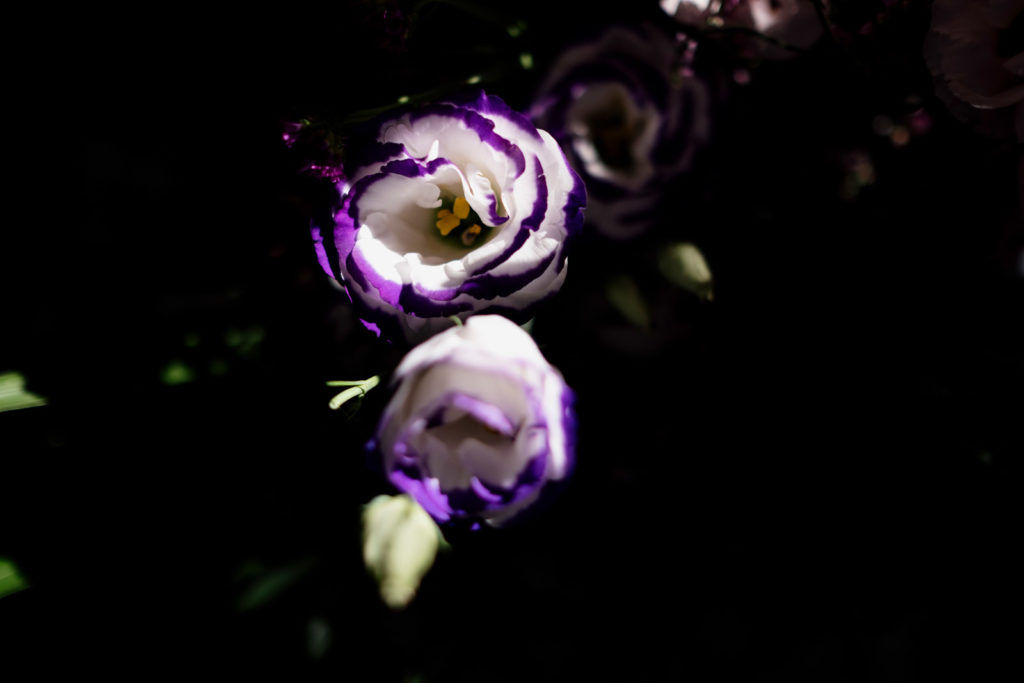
(977, 64)
(628, 120)
(454, 209)
(795, 23)
(480, 424)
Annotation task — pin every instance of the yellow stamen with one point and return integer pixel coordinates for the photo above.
(441, 213)
(447, 224)
(461, 207)
(469, 236)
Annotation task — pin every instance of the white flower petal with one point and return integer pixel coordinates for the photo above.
(478, 414)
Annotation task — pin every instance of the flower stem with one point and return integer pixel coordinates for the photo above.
(356, 388)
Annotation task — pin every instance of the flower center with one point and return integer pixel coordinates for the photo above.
(613, 133)
(456, 221)
(453, 433)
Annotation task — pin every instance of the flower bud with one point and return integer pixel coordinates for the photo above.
(683, 264)
(480, 425)
(400, 542)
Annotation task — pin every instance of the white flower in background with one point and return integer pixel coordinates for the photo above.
(689, 11)
(792, 22)
(628, 121)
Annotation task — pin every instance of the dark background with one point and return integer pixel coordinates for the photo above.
(811, 477)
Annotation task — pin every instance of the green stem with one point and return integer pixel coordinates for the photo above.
(357, 388)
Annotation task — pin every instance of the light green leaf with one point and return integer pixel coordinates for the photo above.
(684, 265)
(13, 395)
(625, 296)
(177, 372)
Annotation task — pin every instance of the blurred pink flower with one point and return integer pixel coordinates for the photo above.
(794, 23)
(979, 78)
(629, 122)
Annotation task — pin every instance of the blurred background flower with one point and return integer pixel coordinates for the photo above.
(630, 119)
(975, 52)
(787, 26)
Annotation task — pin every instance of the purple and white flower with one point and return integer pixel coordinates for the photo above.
(629, 120)
(456, 209)
(480, 424)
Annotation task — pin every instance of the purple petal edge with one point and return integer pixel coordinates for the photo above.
(483, 127)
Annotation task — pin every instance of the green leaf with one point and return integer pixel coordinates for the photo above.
(271, 584)
(245, 341)
(684, 265)
(177, 372)
(13, 395)
(10, 580)
(318, 631)
(625, 296)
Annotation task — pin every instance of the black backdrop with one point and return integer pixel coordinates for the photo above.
(812, 477)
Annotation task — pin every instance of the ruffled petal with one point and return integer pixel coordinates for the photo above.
(479, 423)
(393, 252)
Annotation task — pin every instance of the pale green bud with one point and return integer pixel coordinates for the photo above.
(400, 542)
(683, 265)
